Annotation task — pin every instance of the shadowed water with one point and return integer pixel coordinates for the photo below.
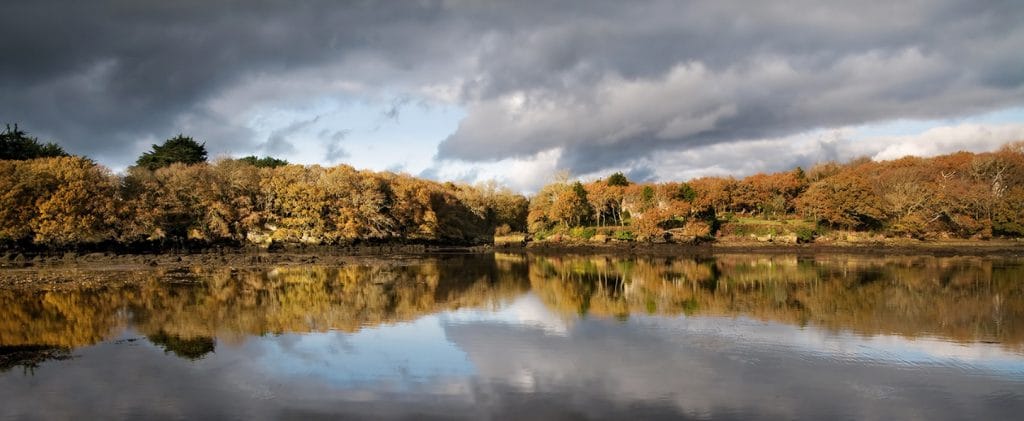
(525, 337)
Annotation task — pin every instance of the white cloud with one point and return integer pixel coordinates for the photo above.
(841, 144)
(946, 139)
(520, 174)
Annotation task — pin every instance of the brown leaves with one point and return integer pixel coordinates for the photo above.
(58, 201)
(845, 200)
(69, 201)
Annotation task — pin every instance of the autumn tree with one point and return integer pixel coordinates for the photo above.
(823, 170)
(296, 201)
(713, 192)
(78, 206)
(243, 185)
(56, 201)
(768, 194)
(606, 200)
(571, 207)
(1008, 213)
(561, 203)
(495, 205)
(457, 221)
(366, 204)
(657, 207)
(510, 209)
(19, 190)
(538, 214)
(178, 203)
(844, 200)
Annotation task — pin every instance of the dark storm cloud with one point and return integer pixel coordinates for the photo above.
(606, 81)
(97, 75)
(608, 89)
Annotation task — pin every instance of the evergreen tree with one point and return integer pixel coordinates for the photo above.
(15, 144)
(265, 162)
(618, 179)
(176, 149)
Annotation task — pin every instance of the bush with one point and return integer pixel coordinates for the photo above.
(541, 235)
(805, 234)
(503, 229)
(583, 232)
(698, 229)
(624, 235)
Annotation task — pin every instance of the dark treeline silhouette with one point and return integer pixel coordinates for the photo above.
(16, 144)
(961, 195)
(174, 198)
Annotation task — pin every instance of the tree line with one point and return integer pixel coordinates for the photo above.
(173, 197)
(965, 195)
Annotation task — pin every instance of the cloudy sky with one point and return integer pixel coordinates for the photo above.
(516, 90)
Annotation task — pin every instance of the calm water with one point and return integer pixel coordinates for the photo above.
(527, 337)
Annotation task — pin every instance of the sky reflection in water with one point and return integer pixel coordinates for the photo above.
(517, 353)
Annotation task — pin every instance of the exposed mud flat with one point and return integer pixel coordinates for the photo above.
(95, 270)
(53, 271)
(1007, 248)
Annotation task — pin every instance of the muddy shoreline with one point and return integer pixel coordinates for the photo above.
(245, 257)
(56, 271)
(1003, 248)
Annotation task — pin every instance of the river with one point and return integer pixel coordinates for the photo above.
(516, 336)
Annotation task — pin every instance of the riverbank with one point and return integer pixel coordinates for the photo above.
(251, 256)
(100, 270)
(72, 270)
(55, 270)
(1002, 247)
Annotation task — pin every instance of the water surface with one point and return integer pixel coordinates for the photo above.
(522, 337)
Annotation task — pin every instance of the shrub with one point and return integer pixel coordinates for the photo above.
(624, 235)
(805, 234)
(699, 229)
(583, 232)
(503, 229)
(541, 235)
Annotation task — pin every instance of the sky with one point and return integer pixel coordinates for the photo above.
(518, 91)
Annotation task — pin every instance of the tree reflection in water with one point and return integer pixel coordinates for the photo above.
(958, 298)
(28, 357)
